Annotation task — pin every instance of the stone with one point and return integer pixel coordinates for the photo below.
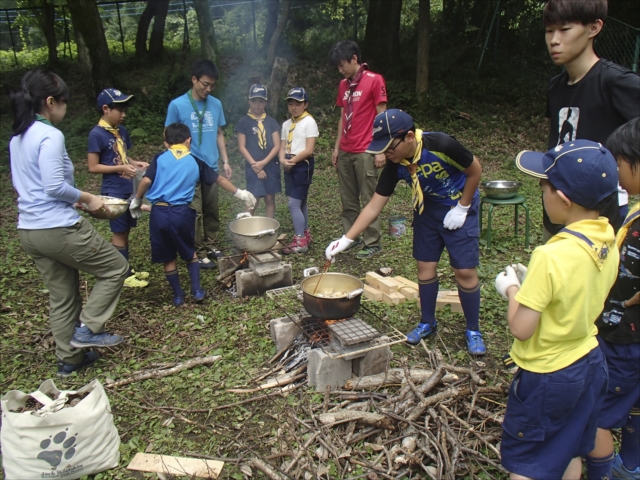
(324, 370)
(283, 331)
(373, 362)
(248, 283)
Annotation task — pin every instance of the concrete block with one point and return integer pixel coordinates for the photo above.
(248, 283)
(324, 370)
(283, 331)
(374, 362)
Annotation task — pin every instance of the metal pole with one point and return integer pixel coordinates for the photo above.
(355, 20)
(253, 16)
(488, 34)
(186, 26)
(636, 54)
(13, 46)
(120, 25)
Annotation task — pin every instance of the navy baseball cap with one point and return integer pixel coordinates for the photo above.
(111, 95)
(298, 93)
(583, 170)
(388, 125)
(258, 91)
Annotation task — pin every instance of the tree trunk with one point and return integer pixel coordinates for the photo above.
(422, 70)
(143, 29)
(87, 22)
(83, 56)
(47, 21)
(282, 22)
(156, 44)
(271, 22)
(208, 46)
(278, 75)
(382, 36)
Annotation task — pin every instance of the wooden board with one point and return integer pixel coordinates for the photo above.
(372, 294)
(384, 284)
(406, 282)
(409, 293)
(393, 298)
(146, 462)
(449, 297)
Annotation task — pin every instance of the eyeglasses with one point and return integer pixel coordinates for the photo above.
(392, 148)
(207, 85)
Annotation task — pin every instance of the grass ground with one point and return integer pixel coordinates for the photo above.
(498, 123)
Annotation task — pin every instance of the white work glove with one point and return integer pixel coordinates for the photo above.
(336, 247)
(248, 199)
(521, 272)
(134, 207)
(506, 279)
(455, 217)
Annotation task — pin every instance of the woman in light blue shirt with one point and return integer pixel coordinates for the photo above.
(61, 242)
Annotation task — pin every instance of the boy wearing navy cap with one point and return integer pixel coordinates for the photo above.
(109, 144)
(259, 144)
(555, 397)
(171, 183)
(444, 177)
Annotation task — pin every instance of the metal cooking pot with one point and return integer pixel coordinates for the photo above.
(331, 308)
(254, 234)
(114, 208)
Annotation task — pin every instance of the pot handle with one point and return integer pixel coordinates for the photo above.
(307, 272)
(243, 215)
(355, 293)
(270, 231)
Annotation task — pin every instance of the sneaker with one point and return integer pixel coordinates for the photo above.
(307, 233)
(475, 345)
(620, 472)
(215, 253)
(133, 282)
(198, 295)
(66, 369)
(367, 252)
(140, 275)
(297, 245)
(353, 246)
(83, 338)
(422, 331)
(206, 263)
(178, 300)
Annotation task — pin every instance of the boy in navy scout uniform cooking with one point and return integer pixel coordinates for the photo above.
(171, 182)
(556, 396)
(444, 177)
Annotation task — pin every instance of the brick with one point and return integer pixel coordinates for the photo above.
(283, 331)
(393, 298)
(385, 285)
(409, 293)
(324, 370)
(372, 294)
(375, 361)
(406, 282)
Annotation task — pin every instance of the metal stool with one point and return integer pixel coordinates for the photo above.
(516, 201)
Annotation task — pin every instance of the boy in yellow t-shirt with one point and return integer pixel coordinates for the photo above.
(555, 397)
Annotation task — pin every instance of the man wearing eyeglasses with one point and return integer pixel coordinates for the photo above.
(204, 116)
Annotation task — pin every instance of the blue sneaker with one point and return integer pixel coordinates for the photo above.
(178, 300)
(198, 295)
(83, 338)
(475, 345)
(66, 369)
(423, 330)
(620, 472)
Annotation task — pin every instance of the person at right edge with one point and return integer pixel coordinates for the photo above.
(591, 97)
(619, 330)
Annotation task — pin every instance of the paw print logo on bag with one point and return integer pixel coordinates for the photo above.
(63, 447)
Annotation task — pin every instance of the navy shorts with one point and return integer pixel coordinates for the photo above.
(623, 392)
(270, 185)
(124, 222)
(552, 417)
(298, 179)
(430, 237)
(173, 231)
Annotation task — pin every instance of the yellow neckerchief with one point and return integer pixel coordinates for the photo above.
(262, 133)
(179, 150)
(417, 197)
(294, 121)
(632, 216)
(120, 146)
(596, 237)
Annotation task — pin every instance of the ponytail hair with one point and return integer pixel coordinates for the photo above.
(35, 87)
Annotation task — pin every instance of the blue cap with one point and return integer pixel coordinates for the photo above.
(111, 95)
(388, 125)
(298, 93)
(583, 170)
(258, 91)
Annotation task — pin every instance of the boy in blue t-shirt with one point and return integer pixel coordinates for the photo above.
(171, 183)
(109, 143)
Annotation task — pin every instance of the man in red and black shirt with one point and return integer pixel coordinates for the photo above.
(361, 96)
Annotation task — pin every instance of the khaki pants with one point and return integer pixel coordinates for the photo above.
(358, 178)
(59, 255)
(205, 203)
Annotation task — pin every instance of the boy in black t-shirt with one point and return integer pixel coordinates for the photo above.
(592, 97)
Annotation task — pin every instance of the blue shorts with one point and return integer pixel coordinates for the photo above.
(430, 237)
(172, 230)
(298, 179)
(552, 417)
(124, 222)
(270, 185)
(623, 392)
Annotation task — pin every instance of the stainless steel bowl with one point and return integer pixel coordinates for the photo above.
(254, 234)
(115, 207)
(501, 189)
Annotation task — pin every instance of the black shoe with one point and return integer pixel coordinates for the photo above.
(66, 369)
(206, 264)
(215, 253)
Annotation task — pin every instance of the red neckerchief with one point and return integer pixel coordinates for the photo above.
(348, 110)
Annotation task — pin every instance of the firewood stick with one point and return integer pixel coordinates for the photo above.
(367, 418)
(394, 376)
(300, 452)
(265, 468)
(278, 382)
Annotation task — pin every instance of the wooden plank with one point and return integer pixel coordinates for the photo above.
(449, 297)
(406, 282)
(393, 298)
(372, 294)
(384, 284)
(193, 467)
(409, 293)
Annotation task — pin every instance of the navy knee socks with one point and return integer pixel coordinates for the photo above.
(125, 253)
(194, 275)
(470, 301)
(428, 296)
(630, 441)
(174, 280)
(599, 468)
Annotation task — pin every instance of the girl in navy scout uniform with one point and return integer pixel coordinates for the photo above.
(444, 177)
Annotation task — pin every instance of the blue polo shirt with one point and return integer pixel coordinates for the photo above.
(181, 111)
(104, 144)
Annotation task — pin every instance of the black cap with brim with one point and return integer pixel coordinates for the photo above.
(379, 146)
(531, 163)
